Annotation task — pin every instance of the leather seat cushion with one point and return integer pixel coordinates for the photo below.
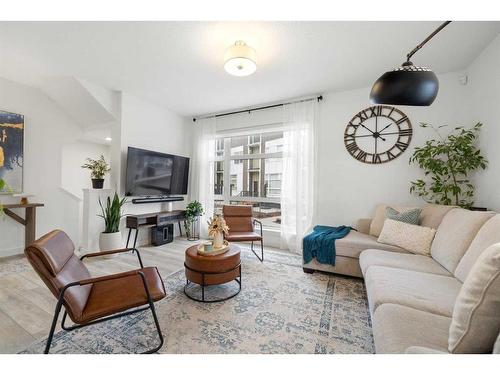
(117, 295)
(242, 236)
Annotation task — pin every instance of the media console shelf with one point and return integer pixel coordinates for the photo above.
(160, 218)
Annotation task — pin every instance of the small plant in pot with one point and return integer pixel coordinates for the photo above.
(193, 212)
(111, 238)
(447, 163)
(98, 168)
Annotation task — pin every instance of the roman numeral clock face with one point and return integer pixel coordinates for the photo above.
(378, 134)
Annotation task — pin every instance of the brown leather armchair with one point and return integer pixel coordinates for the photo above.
(242, 226)
(90, 300)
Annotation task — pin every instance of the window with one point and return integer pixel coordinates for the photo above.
(254, 165)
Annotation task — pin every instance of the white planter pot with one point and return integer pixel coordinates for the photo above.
(110, 241)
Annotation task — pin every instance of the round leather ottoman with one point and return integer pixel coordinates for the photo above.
(207, 270)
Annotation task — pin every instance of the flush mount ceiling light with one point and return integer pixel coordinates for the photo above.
(408, 84)
(239, 59)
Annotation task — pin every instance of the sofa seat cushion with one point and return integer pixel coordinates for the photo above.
(396, 328)
(412, 262)
(423, 291)
(355, 242)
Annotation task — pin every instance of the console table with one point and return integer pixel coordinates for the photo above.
(153, 219)
(29, 220)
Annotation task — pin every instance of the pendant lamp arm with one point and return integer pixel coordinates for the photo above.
(414, 50)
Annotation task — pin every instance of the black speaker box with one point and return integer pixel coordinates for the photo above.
(163, 234)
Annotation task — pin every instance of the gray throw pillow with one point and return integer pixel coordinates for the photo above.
(411, 216)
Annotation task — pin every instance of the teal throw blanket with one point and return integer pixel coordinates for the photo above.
(320, 244)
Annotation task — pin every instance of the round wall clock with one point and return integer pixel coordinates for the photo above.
(378, 134)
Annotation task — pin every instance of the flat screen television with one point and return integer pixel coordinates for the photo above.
(155, 173)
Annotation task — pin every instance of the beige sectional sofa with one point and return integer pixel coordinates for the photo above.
(417, 302)
(349, 248)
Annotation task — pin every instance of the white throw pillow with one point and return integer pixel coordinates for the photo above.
(475, 322)
(414, 238)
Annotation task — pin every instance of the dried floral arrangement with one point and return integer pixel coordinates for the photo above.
(217, 225)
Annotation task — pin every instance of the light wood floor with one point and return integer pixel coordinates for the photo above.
(27, 306)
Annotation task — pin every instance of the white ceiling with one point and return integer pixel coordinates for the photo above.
(179, 64)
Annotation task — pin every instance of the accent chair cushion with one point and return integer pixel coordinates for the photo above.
(409, 216)
(488, 235)
(475, 321)
(414, 238)
(455, 234)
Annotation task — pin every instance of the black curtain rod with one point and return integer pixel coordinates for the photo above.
(318, 98)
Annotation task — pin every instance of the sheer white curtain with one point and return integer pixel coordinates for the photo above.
(297, 187)
(202, 170)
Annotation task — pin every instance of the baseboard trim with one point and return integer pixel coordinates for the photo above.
(11, 252)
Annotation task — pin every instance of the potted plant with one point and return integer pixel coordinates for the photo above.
(193, 211)
(98, 168)
(447, 163)
(217, 227)
(111, 238)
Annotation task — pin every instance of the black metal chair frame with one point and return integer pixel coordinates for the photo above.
(60, 302)
(261, 258)
(203, 273)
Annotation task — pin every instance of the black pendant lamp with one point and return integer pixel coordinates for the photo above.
(408, 84)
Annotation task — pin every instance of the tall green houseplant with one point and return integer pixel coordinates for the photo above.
(193, 211)
(112, 213)
(448, 162)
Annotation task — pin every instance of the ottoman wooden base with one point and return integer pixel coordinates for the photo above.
(212, 270)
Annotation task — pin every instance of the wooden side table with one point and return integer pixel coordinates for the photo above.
(29, 220)
(207, 270)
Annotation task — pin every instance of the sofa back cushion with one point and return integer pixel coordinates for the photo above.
(488, 235)
(455, 234)
(413, 238)
(432, 215)
(475, 321)
(378, 220)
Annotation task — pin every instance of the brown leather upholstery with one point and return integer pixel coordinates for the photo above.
(242, 236)
(239, 220)
(112, 296)
(52, 256)
(220, 268)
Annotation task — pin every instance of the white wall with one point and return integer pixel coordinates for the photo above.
(348, 189)
(73, 177)
(484, 85)
(145, 125)
(47, 129)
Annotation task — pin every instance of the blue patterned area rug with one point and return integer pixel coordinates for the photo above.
(280, 310)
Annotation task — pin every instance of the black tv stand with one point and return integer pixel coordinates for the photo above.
(154, 219)
(156, 199)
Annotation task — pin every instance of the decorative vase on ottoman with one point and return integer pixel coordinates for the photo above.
(216, 229)
(218, 241)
